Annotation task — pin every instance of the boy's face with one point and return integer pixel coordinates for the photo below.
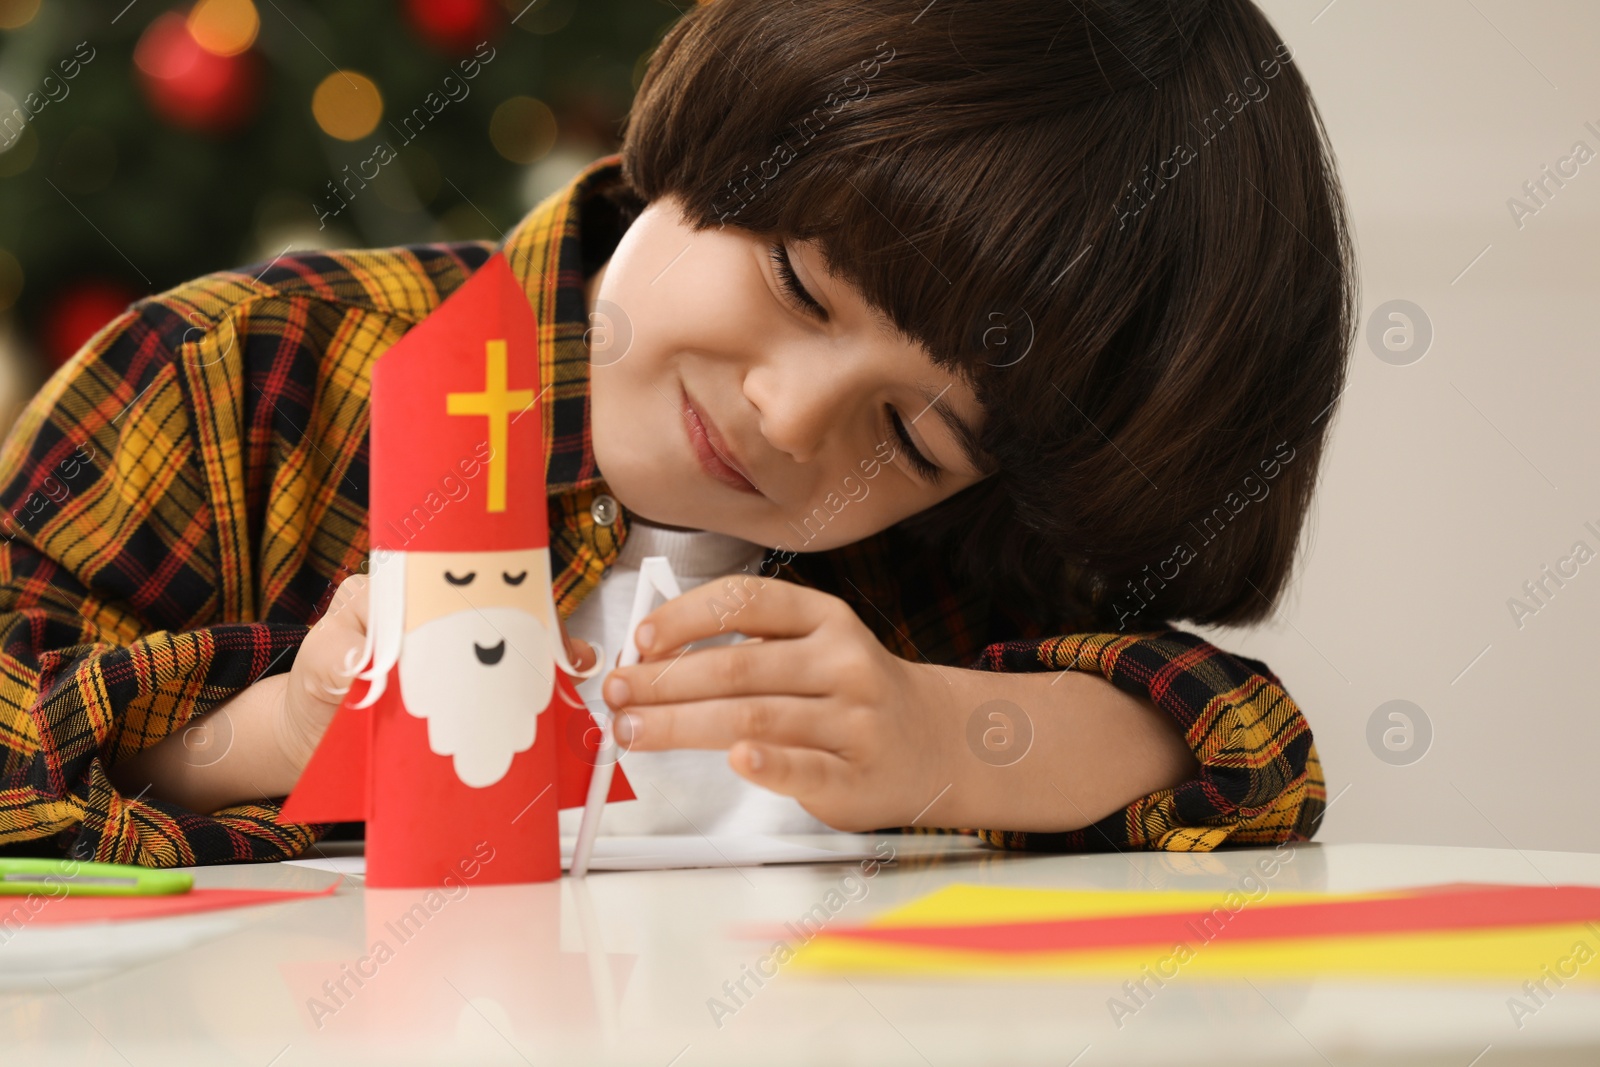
(721, 400)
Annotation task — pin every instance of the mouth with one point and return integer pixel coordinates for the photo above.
(489, 656)
(712, 451)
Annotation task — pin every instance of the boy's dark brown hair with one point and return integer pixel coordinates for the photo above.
(1119, 219)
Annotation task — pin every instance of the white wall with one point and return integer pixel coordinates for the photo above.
(1451, 481)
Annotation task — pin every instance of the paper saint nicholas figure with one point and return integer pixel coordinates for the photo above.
(463, 731)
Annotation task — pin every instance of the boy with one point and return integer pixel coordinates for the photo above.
(1002, 332)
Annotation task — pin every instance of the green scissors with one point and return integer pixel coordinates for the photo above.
(80, 878)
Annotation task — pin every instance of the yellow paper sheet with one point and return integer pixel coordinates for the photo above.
(964, 905)
(1568, 951)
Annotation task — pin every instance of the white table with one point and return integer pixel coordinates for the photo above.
(621, 968)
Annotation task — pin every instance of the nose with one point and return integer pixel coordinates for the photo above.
(803, 398)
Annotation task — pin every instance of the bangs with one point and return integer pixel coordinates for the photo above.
(896, 154)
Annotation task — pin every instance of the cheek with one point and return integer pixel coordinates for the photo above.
(830, 518)
(709, 304)
(691, 307)
(669, 291)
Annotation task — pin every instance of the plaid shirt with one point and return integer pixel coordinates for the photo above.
(181, 499)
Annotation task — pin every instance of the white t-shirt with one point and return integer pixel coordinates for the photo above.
(686, 791)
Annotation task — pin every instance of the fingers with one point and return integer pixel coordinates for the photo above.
(580, 653)
(782, 720)
(742, 603)
(745, 669)
(328, 661)
(794, 772)
(332, 651)
(348, 608)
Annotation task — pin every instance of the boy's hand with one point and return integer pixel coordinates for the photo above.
(327, 663)
(815, 708)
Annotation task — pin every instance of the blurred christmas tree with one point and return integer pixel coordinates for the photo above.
(145, 144)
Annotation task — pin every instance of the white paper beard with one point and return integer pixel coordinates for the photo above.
(481, 713)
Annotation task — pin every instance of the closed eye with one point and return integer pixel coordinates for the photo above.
(790, 283)
(514, 579)
(924, 466)
(467, 580)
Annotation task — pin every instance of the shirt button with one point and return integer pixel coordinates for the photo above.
(604, 509)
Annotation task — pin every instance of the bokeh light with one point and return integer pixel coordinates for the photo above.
(195, 137)
(454, 25)
(224, 27)
(13, 128)
(347, 105)
(15, 14)
(78, 312)
(191, 86)
(523, 129)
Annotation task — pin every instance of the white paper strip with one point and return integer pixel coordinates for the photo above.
(655, 578)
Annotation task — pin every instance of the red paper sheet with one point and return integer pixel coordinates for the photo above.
(1457, 908)
(53, 911)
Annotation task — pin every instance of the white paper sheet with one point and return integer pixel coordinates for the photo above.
(663, 852)
(336, 864)
(659, 852)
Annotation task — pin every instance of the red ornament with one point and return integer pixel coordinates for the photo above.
(77, 312)
(191, 87)
(453, 26)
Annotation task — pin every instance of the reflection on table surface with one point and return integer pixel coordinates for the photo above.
(656, 968)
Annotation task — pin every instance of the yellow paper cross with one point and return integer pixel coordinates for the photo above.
(497, 402)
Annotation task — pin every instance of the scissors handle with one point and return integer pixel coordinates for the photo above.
(82, 878)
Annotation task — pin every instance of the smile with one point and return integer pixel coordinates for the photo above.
(712, 452)
(489, 656)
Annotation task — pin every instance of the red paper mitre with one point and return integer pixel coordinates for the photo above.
(458, 461)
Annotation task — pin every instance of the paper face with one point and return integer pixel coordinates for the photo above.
(477, 660)
(442, 583)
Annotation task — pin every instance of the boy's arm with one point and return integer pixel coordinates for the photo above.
(1255, 777)
(1092, 741)
(109, 566)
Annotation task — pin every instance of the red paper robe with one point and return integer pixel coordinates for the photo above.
(423, 823)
